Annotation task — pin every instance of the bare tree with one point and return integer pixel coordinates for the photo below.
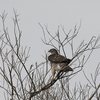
(33, 83)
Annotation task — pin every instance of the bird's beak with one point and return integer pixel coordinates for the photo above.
(49, 53)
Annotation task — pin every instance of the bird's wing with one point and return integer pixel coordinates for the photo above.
(57, 59)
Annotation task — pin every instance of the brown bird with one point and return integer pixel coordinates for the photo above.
(58, 62)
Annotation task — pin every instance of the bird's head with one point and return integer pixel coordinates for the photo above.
(53, 51)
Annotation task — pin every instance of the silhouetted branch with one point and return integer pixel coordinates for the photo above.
(34, 82)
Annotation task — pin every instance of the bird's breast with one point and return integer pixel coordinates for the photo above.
(57, 67)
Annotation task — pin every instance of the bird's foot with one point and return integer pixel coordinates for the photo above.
(52, 79)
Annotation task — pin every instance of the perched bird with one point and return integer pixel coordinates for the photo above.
(58, 62)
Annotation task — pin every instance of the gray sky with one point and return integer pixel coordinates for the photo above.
(53, 13)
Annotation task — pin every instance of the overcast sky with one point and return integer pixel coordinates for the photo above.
(52, 13)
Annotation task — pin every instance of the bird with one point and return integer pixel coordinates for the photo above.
(58, 62)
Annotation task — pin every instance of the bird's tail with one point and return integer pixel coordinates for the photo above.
(67, 69)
